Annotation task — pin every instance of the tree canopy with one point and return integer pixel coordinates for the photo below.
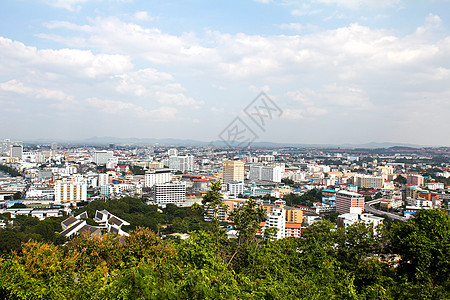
(409, 260)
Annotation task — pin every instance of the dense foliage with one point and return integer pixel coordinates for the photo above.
(410, 260)
(168, 220)
(24, 228)
(307, 199)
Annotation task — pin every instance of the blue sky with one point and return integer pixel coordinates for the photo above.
(347, 71)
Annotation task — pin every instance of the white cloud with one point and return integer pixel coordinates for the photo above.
(308, 113)
(115, 107)
(328, 72)
(355, 4)
(152, 84)
(15, 86)
(177, 99)
(139, 82)
(299, 27)
(346, 50)
(63, 61)
(315, 111)
(255, 89)
(142, 16)
(293, 114)
(217, 109)
(72, 5)
(346, 96)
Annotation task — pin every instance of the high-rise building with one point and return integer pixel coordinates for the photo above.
(70, 191)
(233, 171)
(277, 218)
(103, 179)
(349, 202)
(169, 193)
(172, 152)
(102, 157)
(16, 151)
(294, 215)
(6, 145)
(268, 173)
(368, 181)
(415, 180)
(236, 188)
(181, 163)
(160, 176)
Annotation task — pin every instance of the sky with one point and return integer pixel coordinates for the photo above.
(338, 71)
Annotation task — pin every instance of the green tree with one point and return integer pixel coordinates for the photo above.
(424, 246)
(246, 220)
(9, 240)
(213, 204)
(400, 179)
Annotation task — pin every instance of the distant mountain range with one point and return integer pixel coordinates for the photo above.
(106, 140)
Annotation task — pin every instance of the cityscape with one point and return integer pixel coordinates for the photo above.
(252, 149)
(355, 184)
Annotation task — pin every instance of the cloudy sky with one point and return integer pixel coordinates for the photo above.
(341, 71)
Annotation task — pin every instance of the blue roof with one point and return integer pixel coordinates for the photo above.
(329, 190)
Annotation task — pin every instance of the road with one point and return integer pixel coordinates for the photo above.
(368, 208)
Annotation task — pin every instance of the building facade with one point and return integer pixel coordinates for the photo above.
(233, 171)
(369, 182)
(70, 191)
(415, 180)
(181, 163)
(236, 188)
(268, 173)
(169, 193)
(349, 202)
(102, 157)
(160, 176)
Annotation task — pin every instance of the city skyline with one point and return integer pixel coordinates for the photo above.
(341, 72)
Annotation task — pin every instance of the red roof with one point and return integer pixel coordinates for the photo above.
(293, 225)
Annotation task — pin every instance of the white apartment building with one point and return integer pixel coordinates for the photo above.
(40, 194)
(277, 219)
(70, 191)
(181, 163)
(6, 145)
(435, 186)
(16, 151)
(116, 189)
(102, 157)
(236, 188)
(268, 173)
(295, 176)
(112, 162)
(103, 179)
(169, 193)
(172, 152)
(160, 176)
